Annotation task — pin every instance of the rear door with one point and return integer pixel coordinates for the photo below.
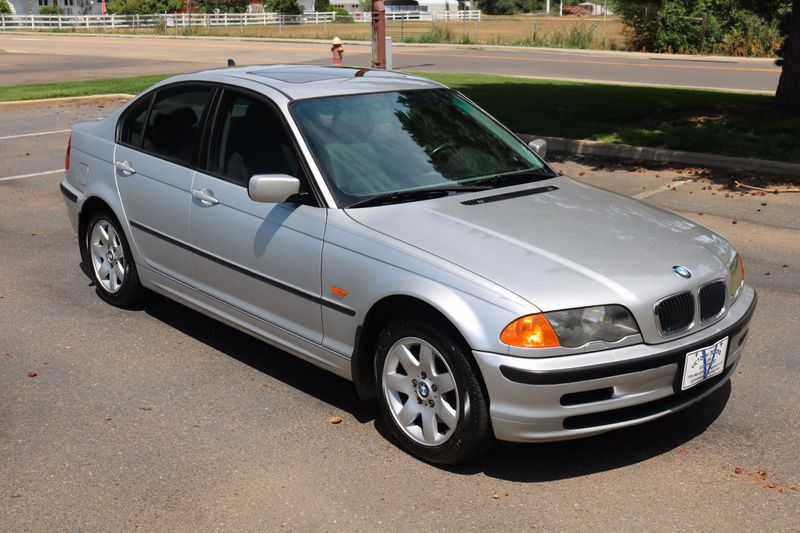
(155, 158)
(263, 258)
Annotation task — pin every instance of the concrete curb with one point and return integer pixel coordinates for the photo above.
(67, 100)
(660, 155)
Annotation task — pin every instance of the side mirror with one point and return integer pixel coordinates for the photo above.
(272, 188)
(539, 146)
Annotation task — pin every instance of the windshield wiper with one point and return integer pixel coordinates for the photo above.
(518, 177)
(415, 194)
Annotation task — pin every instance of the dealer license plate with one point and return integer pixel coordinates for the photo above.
(704, 363)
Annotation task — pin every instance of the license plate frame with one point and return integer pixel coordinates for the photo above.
(704, 363)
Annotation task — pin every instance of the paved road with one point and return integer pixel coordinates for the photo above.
(161, 419)
(53, 57)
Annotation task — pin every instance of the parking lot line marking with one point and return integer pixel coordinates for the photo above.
(19, 136)
(33, 175)
(663, 188)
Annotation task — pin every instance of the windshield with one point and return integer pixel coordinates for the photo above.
(370, 145)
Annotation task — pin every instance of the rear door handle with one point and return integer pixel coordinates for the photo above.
(125, 168)
(206, 196)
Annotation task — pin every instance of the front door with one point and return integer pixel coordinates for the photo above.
(263, 259)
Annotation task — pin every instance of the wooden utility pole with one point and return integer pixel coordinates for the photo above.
(703, 29)
(378, 34)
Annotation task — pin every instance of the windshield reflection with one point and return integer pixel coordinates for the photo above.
(373, 144)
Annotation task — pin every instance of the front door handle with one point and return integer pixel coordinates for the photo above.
(206, 196)
(125, 168)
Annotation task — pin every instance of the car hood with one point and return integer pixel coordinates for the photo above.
(559, 243)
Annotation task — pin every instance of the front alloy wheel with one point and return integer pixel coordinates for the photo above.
(420, 390)
(430, 394)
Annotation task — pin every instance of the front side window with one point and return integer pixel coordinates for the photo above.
(173, 126)
(371, 145)
(250, 139)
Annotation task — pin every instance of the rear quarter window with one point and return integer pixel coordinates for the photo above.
(133, 120)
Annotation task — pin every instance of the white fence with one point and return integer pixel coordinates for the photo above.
(182, 20)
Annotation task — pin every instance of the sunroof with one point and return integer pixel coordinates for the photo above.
(305, 75)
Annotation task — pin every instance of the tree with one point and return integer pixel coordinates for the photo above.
(509, 7)
(5, 8)
(787, 98)
(143, 7)
(733, 27)
(284, 7)
(220, 6)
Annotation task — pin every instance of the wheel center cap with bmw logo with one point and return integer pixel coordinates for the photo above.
(682, 271)
(423, 390)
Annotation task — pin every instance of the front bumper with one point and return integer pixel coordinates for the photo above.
(558, 398)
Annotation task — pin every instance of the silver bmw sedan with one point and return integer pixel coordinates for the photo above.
(384, 227)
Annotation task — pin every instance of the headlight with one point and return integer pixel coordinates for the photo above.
(576, 327)
(735, 277)
(571, 328)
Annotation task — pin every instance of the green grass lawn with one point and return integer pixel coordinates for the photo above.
(680, 119)
(33, 91)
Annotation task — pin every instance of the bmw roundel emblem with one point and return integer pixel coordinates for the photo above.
(682, 271)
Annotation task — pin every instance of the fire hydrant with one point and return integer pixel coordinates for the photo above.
(337, 50)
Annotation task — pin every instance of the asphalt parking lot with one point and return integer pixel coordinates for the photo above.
(159, 418)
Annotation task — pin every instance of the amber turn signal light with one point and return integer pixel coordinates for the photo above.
(338, 291)
(531, 331)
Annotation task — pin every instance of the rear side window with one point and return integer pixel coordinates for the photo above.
(173, 126)
(133, 123)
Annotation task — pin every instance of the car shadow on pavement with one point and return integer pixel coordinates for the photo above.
(623, 447)
(522, 463)
(260, 356)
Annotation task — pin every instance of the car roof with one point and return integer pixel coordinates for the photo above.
(311, 81)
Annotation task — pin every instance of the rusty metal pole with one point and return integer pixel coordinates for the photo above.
(378, 34)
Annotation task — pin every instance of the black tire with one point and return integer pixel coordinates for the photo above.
(130, 291)
(472, 433)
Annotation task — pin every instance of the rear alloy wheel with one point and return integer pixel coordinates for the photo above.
(110, 259)
(429, 395)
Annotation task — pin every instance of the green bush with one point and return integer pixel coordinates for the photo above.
(509, 7)
(219, 6)
(576, 37)
(143, 7)
(284, 7)
(438, 34)
(5, 8)
(343, 15)
(751, 36)
(733, 27)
